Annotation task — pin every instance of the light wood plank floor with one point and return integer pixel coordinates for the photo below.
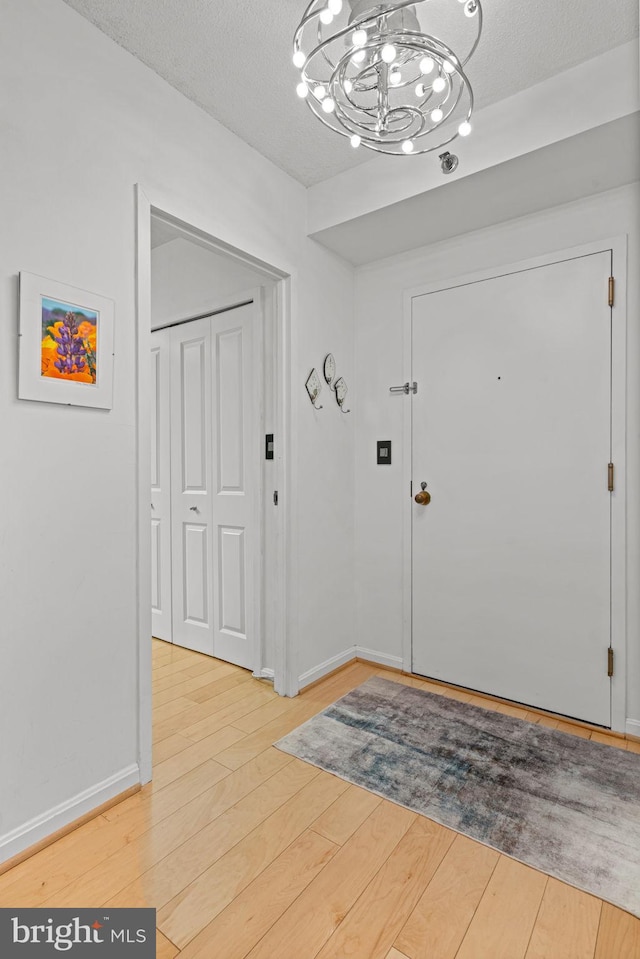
(247, 852)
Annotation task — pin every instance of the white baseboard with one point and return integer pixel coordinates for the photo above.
(633, 727)
(382, 659)
(313, 675)
(32, 832)
(353, 652)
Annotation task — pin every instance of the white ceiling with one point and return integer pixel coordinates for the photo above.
(233, 58)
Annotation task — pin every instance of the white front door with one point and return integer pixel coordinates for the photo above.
(160, 487)
(512, 434)
(215, 486)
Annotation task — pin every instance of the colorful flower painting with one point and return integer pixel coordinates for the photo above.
(69, 342)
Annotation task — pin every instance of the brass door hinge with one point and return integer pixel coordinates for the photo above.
(612, 290)
(610, 479)
(610, 662)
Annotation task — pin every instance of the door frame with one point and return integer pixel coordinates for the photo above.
(284, 616)
(618, 247)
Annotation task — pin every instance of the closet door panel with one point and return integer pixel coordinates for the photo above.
(236, 507)
(191, 467)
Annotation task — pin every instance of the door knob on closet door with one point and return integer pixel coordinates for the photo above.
(194, 509)
(423, 498)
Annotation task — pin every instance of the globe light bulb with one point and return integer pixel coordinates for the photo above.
(395, 77)
(449, 67)
(407, 146)
(328, 105)
(347, 86)
(335, 6)
(437, 115)
(356, 141)
(359, 38)
(302, 89)
(464, 129)
(299, 59)
(439, 84)
(471, 8)
(389, 53)
(426, 65)
(420, 90)
(359, 56)
(320, 93)
(326, 16)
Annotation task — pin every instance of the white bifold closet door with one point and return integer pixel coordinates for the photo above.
(214, 489)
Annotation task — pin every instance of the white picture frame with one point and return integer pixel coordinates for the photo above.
(66, 344)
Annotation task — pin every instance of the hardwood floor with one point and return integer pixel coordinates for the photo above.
(248, 852)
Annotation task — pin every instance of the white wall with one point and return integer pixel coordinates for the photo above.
(325, 489)
(380, 492)
(84, 121)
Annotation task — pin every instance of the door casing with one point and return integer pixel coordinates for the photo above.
(618, 246)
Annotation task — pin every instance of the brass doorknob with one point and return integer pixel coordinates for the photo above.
(423, 498)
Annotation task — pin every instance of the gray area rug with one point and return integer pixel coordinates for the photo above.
(565, 805)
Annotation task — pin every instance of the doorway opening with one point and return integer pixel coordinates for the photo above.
(211, 401)
(213, 331)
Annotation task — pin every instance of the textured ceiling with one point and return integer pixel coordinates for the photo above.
(233, 58)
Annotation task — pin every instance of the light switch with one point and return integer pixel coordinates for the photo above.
(384, 452)
(268, 446)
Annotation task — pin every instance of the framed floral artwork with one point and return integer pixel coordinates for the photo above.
(66, 344)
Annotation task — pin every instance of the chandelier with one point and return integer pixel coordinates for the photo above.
(373, 75)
